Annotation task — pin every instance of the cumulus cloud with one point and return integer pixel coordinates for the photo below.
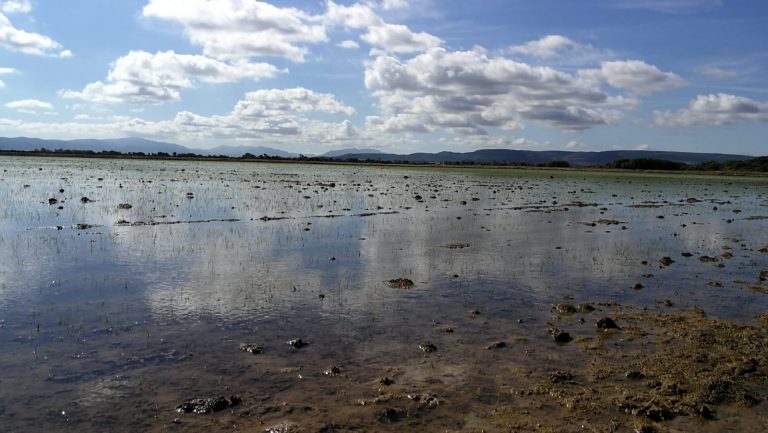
(715, 110)
(466, 92)
(561, 50)
(385, 37)
(348, 44)
(15, 39)
(142, 77)
(16, 6)
(241, 29)
(394, 4)
(30, 106)
(634, 76)
(286, 116)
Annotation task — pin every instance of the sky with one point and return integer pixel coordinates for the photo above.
(396, 75)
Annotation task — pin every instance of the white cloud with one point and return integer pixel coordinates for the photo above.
(271, 116)
(634, 76)
(142, 77)
(394, 4)
(25, 42)
(285, 102)
(466, 92)
(397, 38)
(388, 38)
(17, 6)
(30, 106)
(715, 110)
(561, 50)
(348, 44)
(716, 72)
(241, 29)
(5, 71)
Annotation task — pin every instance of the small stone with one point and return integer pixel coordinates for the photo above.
(637, 286)
(666, 261)
(124, 206)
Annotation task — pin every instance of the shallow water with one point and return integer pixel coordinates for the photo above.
(109, 318)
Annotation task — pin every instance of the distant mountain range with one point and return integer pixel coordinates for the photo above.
(484, 156)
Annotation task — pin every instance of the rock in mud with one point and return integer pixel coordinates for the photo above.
(638, 286)
(427, 346)
(252, 348)
(763, 276)
(585, 308)
(297, 343)
(606, 323)
(52, 201)
(85, 200)
(124, 206)
(708, 259)
(208, 405)
(400, 283)
(386, 381)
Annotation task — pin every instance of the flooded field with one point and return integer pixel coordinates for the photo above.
(135, 294)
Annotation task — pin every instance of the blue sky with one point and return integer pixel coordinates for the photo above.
(397, 75)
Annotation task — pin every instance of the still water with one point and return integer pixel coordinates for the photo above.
(111, 316)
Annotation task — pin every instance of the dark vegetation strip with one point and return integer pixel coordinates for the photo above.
(755, 165)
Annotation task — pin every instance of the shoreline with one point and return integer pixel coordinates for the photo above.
(4, 153)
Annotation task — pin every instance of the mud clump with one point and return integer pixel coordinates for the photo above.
(457, 246)
(427, 347)
(400, 283)
(208, 405)
(252, 348)
(606, 323)
(297, 343)
(496, 345)
(561, 337)
(564, 308)
(666, 261)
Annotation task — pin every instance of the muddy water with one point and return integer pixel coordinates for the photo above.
(111, 317)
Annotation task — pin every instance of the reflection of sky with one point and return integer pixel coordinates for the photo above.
(268, 270)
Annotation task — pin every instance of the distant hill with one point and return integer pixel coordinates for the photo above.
(133, 144)
(342, 152)
(532, 157)
(483, 156)
(238, 151)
